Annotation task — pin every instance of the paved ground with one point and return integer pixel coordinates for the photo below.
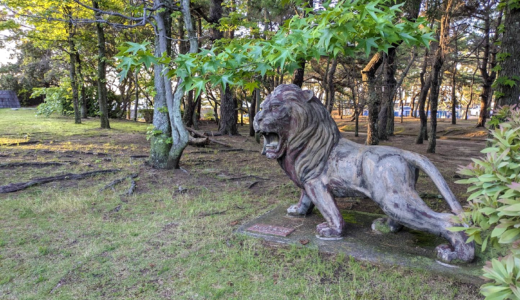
(408, 248)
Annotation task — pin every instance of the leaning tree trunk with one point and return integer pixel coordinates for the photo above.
(72, 69)
(411, 10)
(436, 74)
(508, 94)
(179, 134)
(169, 155)
(101, 71)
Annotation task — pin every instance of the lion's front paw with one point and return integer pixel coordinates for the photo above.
(326, 232)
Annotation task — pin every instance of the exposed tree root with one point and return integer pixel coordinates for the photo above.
(198, 142)
(14, 187)
(207, 214)
(68, 152)
(113, 183)
(133, 185)
(22, 143)
(205, 135)
(211, 151)
(252, 184)
(34, 164)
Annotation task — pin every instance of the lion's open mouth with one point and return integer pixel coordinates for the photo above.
(272, 144)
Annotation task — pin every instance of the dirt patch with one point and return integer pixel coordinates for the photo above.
(215, 167)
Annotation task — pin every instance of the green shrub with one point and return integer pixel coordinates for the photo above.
(57, 100)
(210, 116)
(494, 203)
(147, 114)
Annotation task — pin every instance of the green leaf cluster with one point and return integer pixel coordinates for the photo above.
(132, 56)
(505, 274)
(347, 28)
(57, 100)
(494, 203)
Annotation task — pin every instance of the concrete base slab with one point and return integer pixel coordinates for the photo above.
(407, 248)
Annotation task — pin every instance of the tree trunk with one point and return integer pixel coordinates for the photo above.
(488, 63)
(72, 69)
(101, 71)
(83, 101)
(166, 151)
(299, 73)
(159, 148)
(258, 100)
(136, 104)
(228, 112)
(357, 109)
(196, 112)
(508, 94)
(436, 73)
(215, 14)
(453, 86)
(389, 84)
(470, 94)
(330, 85)
(189, 108)
(454, 96)
(401, 104)
(252, 113)
(425, 87)
(368, 75)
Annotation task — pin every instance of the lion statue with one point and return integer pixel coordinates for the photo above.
(301, 135)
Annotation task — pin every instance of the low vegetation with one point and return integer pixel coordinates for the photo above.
(174, 237)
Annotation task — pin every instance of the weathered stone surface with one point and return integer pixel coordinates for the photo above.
(272, 230)
(408, 248)
(302, 136)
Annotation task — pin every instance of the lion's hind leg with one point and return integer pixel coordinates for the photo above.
(411, 211)
(303, 208)
(385, 225)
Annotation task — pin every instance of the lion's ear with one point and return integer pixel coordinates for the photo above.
(307, 95)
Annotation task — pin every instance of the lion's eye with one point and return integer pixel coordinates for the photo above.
(274, 107)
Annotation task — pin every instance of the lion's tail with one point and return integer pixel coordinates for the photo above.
(427, 167)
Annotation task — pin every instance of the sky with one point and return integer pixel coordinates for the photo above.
(7, 51)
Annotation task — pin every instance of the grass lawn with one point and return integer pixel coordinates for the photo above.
(172, 239)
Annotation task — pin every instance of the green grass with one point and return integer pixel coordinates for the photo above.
(70, 241)
(56, 127)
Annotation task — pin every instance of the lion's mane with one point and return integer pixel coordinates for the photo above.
(315, 134)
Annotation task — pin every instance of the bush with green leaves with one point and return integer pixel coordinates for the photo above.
(57, 100)
(494, 204)
(147, 114)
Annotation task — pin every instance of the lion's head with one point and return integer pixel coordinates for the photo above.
(295, 123)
